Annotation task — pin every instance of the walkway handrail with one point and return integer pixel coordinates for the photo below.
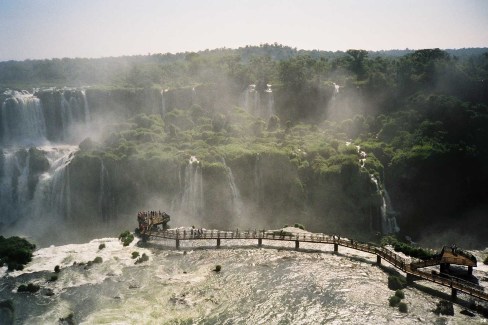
(393, 258)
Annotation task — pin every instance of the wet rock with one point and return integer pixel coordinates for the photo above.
(48, 292)
(444, 307)
(68, 320)
(6, 312)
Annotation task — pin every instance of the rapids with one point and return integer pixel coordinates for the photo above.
(268, 285)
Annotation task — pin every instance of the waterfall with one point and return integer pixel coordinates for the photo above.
(388, 219)
(22, 118)
(86, 108)
(163, 103)
(251, 100)
(270, 102)
(237, 204)
(104, 197)
(58, 183)
(192, 202)
(14, 186)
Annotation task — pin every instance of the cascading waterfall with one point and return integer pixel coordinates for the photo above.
(270, 102)
(86, 108)
(67, 113)
(22, 118)
(252, 100)
(14, 188)
(58, 183)
(388, 219)
(163, 102)
(237, 204)
(192, 202)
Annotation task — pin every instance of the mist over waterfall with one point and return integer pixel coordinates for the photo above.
(388, 219)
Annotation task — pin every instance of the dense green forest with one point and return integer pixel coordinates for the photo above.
(420, 117)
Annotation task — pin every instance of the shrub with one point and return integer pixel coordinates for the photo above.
(300, 226)
(98, 259)
(135, 254)
(32, 288)
(15, 252)
(402, 307)
(217, 268)
(399, 293)
(396, 282)
(394, 301)
(126, 237)
(57, 269)
(142, 259)
(101, 246)
(54, 277)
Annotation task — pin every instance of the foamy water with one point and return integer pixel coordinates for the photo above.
(268, 285)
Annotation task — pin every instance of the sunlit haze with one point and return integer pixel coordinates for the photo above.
(56, 29)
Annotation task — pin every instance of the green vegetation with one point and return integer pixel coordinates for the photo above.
(420, 117)
(142, 259)
(396, 282)
(68, 320)
(406, 249)
(217, 268)
(299, 226)
(394, 301)
(402, 307)
(98, 260)
(135, 255)
(126, 237)
(399, 293)
(53, 277)
(15, 252)
(31, 288)
(101, 246)
(57, 269)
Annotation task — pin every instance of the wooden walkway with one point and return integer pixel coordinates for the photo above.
(410, 268)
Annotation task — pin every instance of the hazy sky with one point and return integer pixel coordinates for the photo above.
(95, 28)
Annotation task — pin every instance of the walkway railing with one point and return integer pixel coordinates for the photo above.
(411, 269)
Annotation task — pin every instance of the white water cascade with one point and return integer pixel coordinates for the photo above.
(86, 108)
(163, 102)
(252, 100)
(388, 220)
(14, 186)
(22, 118)
(237, 204)
(270, 102)
(75, 115)
(192, 202)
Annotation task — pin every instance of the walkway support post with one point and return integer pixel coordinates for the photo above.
(218, 242)
(260, 242)
(453, 294)
(378, 259)
(297, 244)
(336, 248)
(470, 270)
(177, 244)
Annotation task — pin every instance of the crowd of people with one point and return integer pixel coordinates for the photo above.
(148, 218)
